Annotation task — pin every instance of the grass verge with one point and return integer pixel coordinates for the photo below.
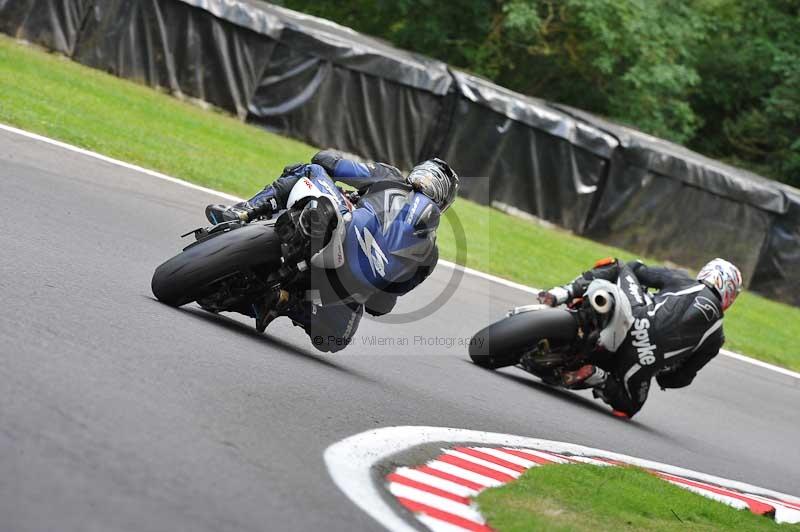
(50, 95)
(589, 498)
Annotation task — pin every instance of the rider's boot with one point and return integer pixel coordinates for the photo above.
(262, 204)
(587, 376)
(270, 308)
(601, 392)
(218, 214)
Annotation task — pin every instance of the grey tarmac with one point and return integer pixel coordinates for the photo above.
(120, 413)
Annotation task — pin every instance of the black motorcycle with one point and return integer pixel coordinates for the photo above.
(236, 266)
(545, 341)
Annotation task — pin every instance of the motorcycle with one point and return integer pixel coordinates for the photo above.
(236, 265)
(545, 341)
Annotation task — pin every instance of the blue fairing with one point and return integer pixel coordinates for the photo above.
(376, 244)
(372, 252)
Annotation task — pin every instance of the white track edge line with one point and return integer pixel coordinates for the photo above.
(117, 162)
(437, 525)
(230, 197)
(759, 363)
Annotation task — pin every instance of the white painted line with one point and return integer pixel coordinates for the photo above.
(456, 508)
(230, 197)
(724, 499)
(759, 363)
(783, 512)
(439, 526)
(117, 162)
(490, 277)
(464, 473)
(546, 456)
(592, 461)
(436, 482)
(508, 457)
(351, 460)
(786, 515)
(484, 463)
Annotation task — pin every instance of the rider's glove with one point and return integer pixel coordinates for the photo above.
(292, 169)
(546, 298)
(554, 297)
(328, 159)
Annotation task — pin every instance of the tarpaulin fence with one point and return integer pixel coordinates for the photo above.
(332, 87)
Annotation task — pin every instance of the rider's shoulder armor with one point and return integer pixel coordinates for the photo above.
(393, 232)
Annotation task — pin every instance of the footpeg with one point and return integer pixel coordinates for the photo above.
(271, 309)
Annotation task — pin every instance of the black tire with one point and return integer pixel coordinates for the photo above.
(185, 277)
(503, 343)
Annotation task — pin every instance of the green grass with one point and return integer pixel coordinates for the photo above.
(50, 95)
(590, 498)
(529, 253)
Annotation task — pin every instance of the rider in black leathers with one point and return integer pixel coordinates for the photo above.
(673, 333)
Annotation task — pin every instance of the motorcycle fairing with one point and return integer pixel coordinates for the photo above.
(331, 256)
(325, 184)
(616, 330)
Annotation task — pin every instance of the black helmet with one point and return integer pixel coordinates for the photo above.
(437, 180)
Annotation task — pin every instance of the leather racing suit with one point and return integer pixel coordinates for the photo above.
(390, 244)
(674, 331)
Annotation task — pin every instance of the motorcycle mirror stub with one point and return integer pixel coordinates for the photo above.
(526, 308)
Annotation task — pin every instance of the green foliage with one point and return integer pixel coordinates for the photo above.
(630, 59)
(722, 76)
(50, 95)
(438, 29)
(750, 88)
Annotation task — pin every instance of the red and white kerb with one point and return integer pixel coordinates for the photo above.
(439, 492)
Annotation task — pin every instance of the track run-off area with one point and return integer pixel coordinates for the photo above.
(118, 412)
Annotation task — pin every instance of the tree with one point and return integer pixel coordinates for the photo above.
(722, 76)
(631, 60)
(750, 86)
(451, 31)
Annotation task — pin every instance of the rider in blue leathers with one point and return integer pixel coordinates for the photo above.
(389, 246)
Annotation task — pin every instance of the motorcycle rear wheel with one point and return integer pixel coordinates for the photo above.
(187, 276)
(504, 342)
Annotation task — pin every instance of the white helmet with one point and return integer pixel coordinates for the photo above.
(724, 277)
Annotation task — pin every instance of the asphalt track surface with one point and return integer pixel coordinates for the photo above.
(120, 413)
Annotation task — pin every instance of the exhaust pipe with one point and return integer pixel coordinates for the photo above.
(602, 301)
